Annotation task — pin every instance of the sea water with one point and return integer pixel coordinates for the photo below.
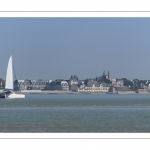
(76, 113)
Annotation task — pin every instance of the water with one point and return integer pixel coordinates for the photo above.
(76, 113)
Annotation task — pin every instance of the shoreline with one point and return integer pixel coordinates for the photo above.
(70, 92)
(56, 92)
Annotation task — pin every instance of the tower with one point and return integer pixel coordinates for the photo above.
(108, 74)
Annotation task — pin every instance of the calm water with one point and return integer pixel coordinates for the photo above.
(90, 113)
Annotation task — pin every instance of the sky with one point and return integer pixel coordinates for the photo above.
(56, 48)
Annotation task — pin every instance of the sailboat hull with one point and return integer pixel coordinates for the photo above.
(13, 95)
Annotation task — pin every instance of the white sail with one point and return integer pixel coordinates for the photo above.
(9, 75)
(9, 93)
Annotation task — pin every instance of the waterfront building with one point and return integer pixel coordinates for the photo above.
(120, 90)
(30, 84)
(21, 85)
(73, 83)
(81, 82)
(95, 88)
(114, 82)
(39, 84)
(58, 84)
(73, 80)
(92, 86)
(74, 87)
(119, 82)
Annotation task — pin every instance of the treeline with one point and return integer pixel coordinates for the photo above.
(136, 84)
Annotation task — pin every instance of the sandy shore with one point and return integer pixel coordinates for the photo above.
(55, 92)
(47, 92)
(65, 92)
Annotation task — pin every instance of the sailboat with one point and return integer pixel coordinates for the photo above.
(9, 86)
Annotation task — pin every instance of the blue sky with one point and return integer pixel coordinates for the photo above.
(56, 48)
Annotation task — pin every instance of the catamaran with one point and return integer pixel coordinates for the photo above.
(9, 86)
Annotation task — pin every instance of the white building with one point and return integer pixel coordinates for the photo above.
(95, 88)
(119, 82)
(114, 83)
(30, 84)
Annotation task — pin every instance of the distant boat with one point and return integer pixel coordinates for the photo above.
(9, 86)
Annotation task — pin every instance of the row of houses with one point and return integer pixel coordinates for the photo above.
(60, 85)
(74, 84)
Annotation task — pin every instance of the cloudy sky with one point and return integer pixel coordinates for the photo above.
(56, 48)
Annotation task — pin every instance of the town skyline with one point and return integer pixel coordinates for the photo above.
(100, 84)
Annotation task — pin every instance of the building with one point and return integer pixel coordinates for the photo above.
(114, 82)
(108, 76)
(73, 80)
(30, 84)
(73, 83)
(104, 78)
(58, 84)
(92, 86)
(95, 88)
(119, 82)
(121, 90)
